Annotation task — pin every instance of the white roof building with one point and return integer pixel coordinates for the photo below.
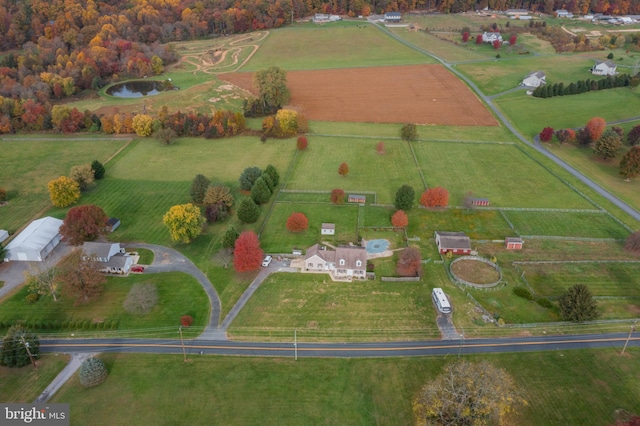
(534, 79)
(36, 241)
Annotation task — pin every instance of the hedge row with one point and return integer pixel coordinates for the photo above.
(63, 325)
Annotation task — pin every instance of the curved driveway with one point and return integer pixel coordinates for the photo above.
(488, 100)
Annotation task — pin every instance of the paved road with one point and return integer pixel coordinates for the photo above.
(343, 350)
(487, 99)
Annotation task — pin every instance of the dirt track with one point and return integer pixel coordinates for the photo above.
(421, 94)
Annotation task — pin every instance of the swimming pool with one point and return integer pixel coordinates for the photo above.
(377, 246)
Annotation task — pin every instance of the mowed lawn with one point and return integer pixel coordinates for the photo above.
(502, 173)
(276, 238)
(27, 383)
(27, 166)
(322, 309)
(178, 294)
(288, 48)
(316, 168)
(477, 224)
(561, 387)
(566, 224)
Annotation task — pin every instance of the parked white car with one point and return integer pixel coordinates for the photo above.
(267, 260)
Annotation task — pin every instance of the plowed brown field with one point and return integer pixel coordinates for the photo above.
(421, 94)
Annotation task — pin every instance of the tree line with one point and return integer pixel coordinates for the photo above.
(588, 85)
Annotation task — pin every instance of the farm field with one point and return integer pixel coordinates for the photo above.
(527, 185)
(567, 224)
(29, 163)
(288, 48)
(559, 387)
(421, 94)
(321, 309)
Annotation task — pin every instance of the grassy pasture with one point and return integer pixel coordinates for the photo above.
(552, 249)
(513, 309)
(27, 166)
(25, 384)
(368, 170)
(603, 279)
(566, 224)
(606, 173)
(479, 224)
(288, 48)
(445, 50)
(613, 104)
(178, 294)
(275, 238)
(562, 387)
(321, 309)
(502, 173)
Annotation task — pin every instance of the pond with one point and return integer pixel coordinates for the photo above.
(139, 89)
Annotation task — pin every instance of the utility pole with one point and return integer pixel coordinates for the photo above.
(26, 346)
(461, 343)
(184, 352)
(633, 328)
(295, 344)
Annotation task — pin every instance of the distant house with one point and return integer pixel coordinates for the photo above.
(488, 37)
(345, 262)
(513, 243)
(392, 17)
(516, 13)
(323, 17)
(355, 198)
(454, 242)
(35, 242)
(564, 14)
(328, 229)
(111, 257)
(112, 224)
(604, 68)
(534, 79)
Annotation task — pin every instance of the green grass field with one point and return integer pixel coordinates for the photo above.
(486, 170)
(288, 48)
(174, 300)
(368, 170)
(27, 383)
(561, 387)
(30, 162)
(566, 224)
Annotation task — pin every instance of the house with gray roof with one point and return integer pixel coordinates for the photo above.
(343, 263)
(604, 68)
(35, 242)
(111, 258)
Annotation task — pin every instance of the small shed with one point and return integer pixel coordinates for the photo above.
(3, 235)
(355, 198)
(513, 243)
(328, 229)
(480, 202)
(112, 224)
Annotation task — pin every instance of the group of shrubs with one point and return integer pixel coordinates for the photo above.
(525, 293)
(582, 86)
(54, 325)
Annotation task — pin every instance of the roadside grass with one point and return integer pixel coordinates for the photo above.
(368, 170)
(605, 173)
(288, 48)
(478, 224)
(178, 294)
(323, 310)
(494, 77)
(276, 238)
(28, 165)
(530, 115)
(561, 387)
(512, 309)
(566, 224)
(463, 168)
(27, 383)
(603, 279)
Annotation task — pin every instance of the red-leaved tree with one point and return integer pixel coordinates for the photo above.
(186, 320)
(479, 39)
(465, 36)
(302, 143)
(343, 170)
(297, 222)
(247, 254)
(496, 44)
(337, 196)
(596, 127)
(400, 219)
(409, 264)
(435, 197)
(513, 39)
(380, 148)
(546, 134)
(83, 223)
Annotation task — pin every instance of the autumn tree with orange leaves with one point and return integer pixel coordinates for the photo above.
(297, 222)
(435, 197)
(400, 219)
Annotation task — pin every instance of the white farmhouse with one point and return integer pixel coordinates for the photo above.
(488, 37)
(604, 68)
(534, 79)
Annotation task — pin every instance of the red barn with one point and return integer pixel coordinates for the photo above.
(513, 243)
(454, 242)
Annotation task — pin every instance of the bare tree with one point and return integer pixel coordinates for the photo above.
(141, 299)
(224, 257)
(42, 280)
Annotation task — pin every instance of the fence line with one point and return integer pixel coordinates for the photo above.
(567, 238)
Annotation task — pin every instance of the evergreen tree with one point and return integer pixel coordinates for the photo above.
(230, 237)
(199, 187)
(275, 177)
(260, 191)
(577, 304)
(16, 346)
(249, 177)
(98, 169)
(248, 212)
(405, 197)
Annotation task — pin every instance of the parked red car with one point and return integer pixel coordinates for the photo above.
(137, 268)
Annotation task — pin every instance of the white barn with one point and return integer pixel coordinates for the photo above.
(36, 241)
(534, 79)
